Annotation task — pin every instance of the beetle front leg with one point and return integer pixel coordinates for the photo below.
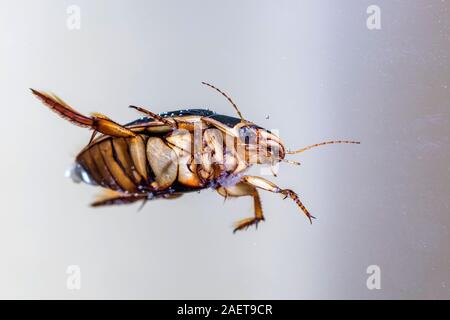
(264, 184)
(244, 189)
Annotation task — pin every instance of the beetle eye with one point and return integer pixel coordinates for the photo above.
(248, 135)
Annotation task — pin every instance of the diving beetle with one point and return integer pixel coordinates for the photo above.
(168, 154)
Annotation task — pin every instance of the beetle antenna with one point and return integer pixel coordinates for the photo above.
(228, 98)
(321, 144)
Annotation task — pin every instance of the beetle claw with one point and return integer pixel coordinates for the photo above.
(247, 223)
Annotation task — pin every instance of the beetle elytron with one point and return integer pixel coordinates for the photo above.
(152, 157)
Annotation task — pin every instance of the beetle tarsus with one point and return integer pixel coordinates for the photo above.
(247, 223)
(267, 185)
(291, 194)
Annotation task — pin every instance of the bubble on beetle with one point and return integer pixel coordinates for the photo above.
(71, 173)
(78, 174)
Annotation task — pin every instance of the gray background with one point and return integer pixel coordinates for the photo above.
(313, 67)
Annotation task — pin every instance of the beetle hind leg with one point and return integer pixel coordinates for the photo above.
(240, 190)
(96, 122)
(110, 198)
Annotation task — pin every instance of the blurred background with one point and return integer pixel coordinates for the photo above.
(311, 69)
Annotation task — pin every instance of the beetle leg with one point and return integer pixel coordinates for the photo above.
(157, 117)
(169, 122)
(220, 126)
(264, 184)
(244, 189)
(110, 197)
(171, 196)
(113, 198)
(94, 134)
(97, 122)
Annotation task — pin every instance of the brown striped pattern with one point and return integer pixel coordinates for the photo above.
(117, 164)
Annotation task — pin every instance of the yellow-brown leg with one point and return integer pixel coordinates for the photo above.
(243, 189)
(157, 117)
(264, 184)
(110, 197)
(171, 123)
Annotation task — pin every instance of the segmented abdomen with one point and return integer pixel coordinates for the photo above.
(156, 163)
(135, 165)
(113, 163)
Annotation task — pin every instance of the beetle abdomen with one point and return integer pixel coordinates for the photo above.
(154, 162)
(110, 164)
(133, 165)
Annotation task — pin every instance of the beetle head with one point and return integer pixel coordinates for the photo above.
(263, 146)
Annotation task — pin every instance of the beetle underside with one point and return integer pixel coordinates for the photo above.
(166, 155)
